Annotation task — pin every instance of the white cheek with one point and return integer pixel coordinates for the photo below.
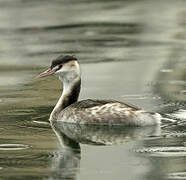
(69, 72)
(66, 75)
(65, 69)
(62, 72)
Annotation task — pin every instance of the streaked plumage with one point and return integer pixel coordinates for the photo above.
(103, 112)
(107, 112)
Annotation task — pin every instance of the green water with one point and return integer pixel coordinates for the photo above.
(131, 51)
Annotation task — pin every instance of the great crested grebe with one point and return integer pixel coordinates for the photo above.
(106, 112)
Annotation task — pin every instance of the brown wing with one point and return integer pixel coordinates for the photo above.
(88, 103)
(99, 112)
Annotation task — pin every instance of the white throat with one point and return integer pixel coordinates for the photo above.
(71, 79)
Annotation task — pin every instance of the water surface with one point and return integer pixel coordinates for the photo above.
(131, 51)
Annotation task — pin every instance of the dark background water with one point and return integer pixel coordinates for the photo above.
(132, 51)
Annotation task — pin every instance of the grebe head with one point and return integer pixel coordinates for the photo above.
(65, 67)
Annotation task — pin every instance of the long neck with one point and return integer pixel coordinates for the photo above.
(69, 95)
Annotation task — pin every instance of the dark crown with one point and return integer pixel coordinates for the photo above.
(62, 60)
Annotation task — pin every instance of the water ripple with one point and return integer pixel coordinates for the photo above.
(177, 175)
(13, 147)
(130, 28)
(164, 151)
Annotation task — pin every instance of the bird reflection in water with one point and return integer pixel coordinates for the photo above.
(66, 162)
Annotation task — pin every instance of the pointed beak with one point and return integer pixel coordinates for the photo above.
(46, 73)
